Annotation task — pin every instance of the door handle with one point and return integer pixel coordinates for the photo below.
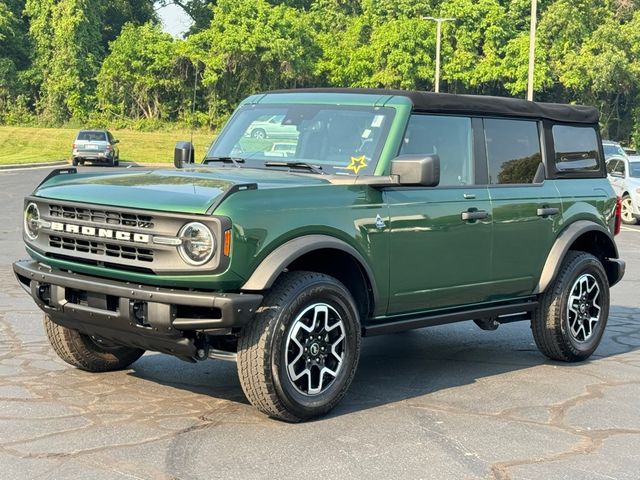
(475, 215)
(547, 211)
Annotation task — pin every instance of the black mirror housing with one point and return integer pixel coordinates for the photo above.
(184, 153)
(419, 170)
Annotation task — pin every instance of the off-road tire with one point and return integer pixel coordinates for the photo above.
(628, 221)
(549, 322)
(261, 347)
(82, 352)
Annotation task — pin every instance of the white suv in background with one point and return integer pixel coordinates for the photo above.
(624, 175)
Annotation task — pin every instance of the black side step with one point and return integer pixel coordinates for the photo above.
(414, 322)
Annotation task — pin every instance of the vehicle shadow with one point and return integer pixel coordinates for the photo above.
(395, 368)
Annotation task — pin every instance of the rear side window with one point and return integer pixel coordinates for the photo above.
(513, 150)
(576, 149)
(450, 138)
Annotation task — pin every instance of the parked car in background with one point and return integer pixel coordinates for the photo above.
(274, 126)
(624, 176)
(630, 151)
(612, 149)
(96, 146)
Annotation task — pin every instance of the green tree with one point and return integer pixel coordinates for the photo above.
(141, 77)
(252, 46)
(68, 51)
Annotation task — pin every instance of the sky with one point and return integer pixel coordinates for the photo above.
(174, 20)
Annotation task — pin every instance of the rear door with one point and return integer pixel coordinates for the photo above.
(526, 207)
(440, 237)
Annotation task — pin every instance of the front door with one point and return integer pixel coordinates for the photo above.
(440, 237)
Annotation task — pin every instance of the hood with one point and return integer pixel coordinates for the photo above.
(191, 190)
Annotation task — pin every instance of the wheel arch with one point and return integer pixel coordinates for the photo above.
(585, 236)
(321, 254)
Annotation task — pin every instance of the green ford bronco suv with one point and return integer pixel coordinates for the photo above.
(356, 213)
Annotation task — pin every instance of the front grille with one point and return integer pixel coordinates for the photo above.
(101, 217)
(101, 248)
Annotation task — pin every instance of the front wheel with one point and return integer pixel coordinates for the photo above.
(297, 358)
(571, 317)
(88, 353)
(258, 134)
(627, 211)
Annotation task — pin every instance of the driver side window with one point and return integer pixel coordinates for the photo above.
(449, 137)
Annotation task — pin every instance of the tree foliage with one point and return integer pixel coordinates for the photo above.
(70, 60)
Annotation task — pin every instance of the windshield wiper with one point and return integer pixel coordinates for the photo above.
(307, 166)
(236, 161)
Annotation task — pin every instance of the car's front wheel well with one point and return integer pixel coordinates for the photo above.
(344, 268)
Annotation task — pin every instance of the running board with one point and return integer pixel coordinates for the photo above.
(513, 313)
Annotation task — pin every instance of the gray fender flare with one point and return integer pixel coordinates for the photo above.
(561, 247)
(276, 262)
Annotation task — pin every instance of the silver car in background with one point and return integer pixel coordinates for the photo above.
(624, 176)
(96, 146)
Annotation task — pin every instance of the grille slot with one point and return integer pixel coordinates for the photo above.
(101, 217)
(101, 248)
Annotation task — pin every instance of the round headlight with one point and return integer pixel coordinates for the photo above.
(32, 221)
(198, 243)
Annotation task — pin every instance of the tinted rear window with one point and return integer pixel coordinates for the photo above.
(576, 149)
(92, 136)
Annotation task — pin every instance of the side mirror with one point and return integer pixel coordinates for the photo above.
(420, 170)
(183, 154)
(116, 141)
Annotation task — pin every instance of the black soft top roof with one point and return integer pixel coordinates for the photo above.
(476, 104)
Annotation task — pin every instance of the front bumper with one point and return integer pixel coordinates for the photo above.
(151, 318)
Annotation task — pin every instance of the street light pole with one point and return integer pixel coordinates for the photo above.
(438, 35)
(532, 48)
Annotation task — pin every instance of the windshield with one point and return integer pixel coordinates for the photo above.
(611, 149)
(634, 169)
(339, 139)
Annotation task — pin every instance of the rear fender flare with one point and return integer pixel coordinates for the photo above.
(562, 245)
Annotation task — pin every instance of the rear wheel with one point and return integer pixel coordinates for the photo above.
(74, 161)
(627, 211)
(570, 320)
(297, 358)
(88, 353)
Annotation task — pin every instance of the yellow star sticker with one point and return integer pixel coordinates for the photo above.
(357, 164)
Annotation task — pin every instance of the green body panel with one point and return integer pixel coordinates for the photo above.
(264, 220)
(191, 190)
(436, 258)
(521, 239)
(590, 199)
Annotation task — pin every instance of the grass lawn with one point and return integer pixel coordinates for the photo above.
(31, 145)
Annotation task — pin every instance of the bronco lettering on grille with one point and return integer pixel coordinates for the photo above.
(100, 232)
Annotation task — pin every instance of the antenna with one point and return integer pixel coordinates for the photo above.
(193, 111)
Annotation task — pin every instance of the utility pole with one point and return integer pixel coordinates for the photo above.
(532, 48)
(438, 35)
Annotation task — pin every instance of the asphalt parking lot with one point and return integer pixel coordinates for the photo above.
(446, 402)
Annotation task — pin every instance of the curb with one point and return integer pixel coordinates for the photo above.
(14, 166)
(26, 166)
